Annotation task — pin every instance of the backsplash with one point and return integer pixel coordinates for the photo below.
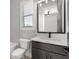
(27, 34)
(32, 33)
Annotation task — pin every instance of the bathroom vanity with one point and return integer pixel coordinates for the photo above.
(41, 49)
(52, 18)
(49, 51)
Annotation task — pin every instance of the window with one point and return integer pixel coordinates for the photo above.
(27, 13)
(28, 20)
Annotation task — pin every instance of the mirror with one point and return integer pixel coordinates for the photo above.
(51, 16)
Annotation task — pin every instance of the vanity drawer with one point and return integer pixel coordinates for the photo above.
(50, 47)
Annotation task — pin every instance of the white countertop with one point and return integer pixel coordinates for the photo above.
(56, 41)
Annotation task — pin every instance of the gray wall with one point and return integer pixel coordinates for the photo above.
(14, 21)
(17, 32)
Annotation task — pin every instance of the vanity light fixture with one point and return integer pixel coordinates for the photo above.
(47, 12)
(40, 1)
(40, 4)
(53, 0)
(46, 1)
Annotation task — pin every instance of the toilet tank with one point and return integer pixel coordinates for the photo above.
(25, 43)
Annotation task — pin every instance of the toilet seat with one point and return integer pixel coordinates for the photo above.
(18, 53)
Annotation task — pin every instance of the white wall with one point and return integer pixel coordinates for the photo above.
(27, 32)
(17, 33)
(14, 21)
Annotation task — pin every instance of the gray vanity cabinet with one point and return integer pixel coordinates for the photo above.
(47, 51)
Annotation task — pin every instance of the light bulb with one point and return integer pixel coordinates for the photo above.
(46, 1)
(40, 4)
(53, 0)
(39, 1)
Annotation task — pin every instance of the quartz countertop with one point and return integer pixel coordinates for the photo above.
(56, 41)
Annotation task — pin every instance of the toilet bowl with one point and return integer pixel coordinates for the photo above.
(19, 53)
(13, 46)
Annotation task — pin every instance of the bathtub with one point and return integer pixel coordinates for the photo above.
(13, 46)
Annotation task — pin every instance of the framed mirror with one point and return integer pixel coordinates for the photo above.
(51, 16)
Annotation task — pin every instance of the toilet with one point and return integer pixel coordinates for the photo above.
(19, 53)
(13, 46)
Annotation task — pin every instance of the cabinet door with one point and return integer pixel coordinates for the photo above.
(57, 56)
(41, 54)
(51, 48)
(38, 54)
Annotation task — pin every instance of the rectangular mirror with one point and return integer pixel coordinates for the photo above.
(51, 16)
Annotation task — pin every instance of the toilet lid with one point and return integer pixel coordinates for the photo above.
(18, 52)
